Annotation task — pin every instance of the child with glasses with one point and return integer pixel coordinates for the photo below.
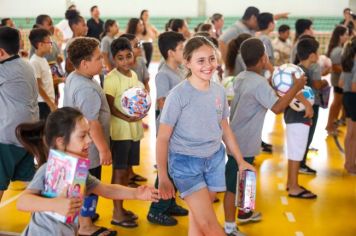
(41, 41)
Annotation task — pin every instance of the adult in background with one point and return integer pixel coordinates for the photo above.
(95, 24)
(217, 20)
(7, 22)
(248, 24)
(349, 20)
(149, 34)
(282, 45)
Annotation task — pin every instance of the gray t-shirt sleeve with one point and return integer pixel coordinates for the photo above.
(228, 35)
(162, 85)
(38, 181)
(316, 72)
(265, 95)
(335, 56)
(353, 78)
(171, 110)
(91, 183)
(105, 45)
(89, 102)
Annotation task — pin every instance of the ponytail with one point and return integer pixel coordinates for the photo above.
(37, 138)
(233, 49)
(31, 136)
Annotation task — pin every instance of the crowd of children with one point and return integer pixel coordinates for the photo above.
(195, 122)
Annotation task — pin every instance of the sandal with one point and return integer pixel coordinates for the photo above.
(132, 215)
(305, 194)
(125, 223)
(100, 231)
(138, 178)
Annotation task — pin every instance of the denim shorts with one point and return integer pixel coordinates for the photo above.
(191, 173)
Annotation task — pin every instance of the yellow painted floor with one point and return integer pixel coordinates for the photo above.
(332, 213)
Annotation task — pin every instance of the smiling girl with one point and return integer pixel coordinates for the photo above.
(192, 127)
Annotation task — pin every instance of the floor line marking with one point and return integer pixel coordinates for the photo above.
(281, 187)
(284, 200)
(290, 217)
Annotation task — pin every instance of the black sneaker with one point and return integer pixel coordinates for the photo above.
(266, 147)
(176, 210)
(252, 216)
(307, 170)
(263, 144)
(161, 219)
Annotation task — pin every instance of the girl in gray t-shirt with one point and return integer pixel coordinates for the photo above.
(337, 40)
(67, 130)
(192, 127)
(348, 81)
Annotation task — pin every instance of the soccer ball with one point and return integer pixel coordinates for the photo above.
(308, 94)
(228, 83)
(135, 102)
(282, 79)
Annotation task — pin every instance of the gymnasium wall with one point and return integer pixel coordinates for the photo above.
(168, 8)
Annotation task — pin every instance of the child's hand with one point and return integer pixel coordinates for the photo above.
(299, 83)
(52, 106)
(166, 189)
(67, 206)
(246, 166)
(105, 157)
(135, 119)
(309, 112)
(147, 193)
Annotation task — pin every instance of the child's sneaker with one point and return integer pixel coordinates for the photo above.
(252, 216)
(235, 232)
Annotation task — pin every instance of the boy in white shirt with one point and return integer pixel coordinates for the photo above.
(41, 41)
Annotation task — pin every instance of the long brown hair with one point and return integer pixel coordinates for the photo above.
(335, 38)
(233, 49)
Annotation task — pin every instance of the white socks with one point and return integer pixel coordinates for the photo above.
(229, 227)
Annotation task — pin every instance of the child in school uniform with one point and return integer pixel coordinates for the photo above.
(253, 97)
(348, 83)
(192, 127)
(125, 131)
(19, 93)
(169, 75)
(66, 130)
(82, 92)
(298, 123)
(41, 41)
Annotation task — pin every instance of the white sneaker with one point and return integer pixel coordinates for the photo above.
(236, 232)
